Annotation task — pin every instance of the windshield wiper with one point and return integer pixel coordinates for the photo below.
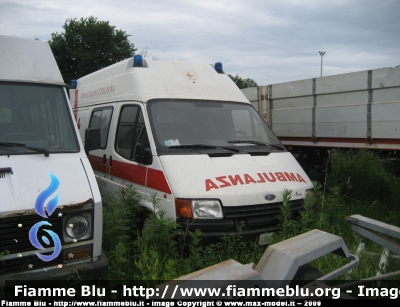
(257, 143)
(41, 150)
(203, 146)
(11, 144)
(192, 146)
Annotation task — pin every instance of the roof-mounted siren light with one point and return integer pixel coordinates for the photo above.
(218, 67)
(137, 60)
(74, 84)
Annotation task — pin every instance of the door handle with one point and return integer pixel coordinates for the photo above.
(6, 169)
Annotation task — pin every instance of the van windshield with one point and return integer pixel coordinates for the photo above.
(35, 119)
(203, 124)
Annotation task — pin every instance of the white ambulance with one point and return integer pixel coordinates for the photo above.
(50, 204)
(186, 133)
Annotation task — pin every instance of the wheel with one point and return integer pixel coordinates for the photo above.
(146, 225)
(19, 136)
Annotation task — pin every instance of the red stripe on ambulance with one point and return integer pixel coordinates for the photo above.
(130, 172)
(232, 180)
(157, 181)
(134, 173)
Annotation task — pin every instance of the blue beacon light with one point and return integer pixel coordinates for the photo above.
(218, 67)
(137, 60)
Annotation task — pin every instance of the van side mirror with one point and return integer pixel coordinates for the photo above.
(148, 157)
(92, 139)
(143, 156)
(139, 158)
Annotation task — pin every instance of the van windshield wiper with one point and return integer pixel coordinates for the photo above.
(41, 150)
(192, 146)
(257, 143)
(11, 144)
(203, 146)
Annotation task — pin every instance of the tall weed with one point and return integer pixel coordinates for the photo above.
(160, 251)
(361, 175)
(121, 217)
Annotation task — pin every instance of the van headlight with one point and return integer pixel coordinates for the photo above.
(78, 226)
(207, 209)
(198, 208)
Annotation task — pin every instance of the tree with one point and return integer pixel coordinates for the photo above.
(87, 45)
(243, 83)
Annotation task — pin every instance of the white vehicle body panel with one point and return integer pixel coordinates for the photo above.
(22, 188)
(28, 60)
(211, 179)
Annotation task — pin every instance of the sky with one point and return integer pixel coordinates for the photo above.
(269, 41)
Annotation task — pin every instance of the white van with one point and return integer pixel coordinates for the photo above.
(50, 204)
(186, 133)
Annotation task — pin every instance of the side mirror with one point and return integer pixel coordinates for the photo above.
(148, 157)
(92, 139)
(139, 158)
(143, 156)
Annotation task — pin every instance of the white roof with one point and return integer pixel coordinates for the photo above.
(157, 80)
(27, 60)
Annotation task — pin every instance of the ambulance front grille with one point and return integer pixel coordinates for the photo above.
(260, 216)
(14, 240)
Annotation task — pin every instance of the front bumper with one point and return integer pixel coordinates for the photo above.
(87, 269)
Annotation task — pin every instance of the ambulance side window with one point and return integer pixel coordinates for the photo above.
(131, 130)
(101, 118)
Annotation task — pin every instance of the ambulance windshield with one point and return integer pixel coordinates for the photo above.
(35, 119)
(216, 123)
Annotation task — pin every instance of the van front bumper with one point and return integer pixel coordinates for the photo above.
(219, 228)
(87, 269)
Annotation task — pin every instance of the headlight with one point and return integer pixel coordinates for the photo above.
(207, 209)
(78, 226)
(198, 209)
